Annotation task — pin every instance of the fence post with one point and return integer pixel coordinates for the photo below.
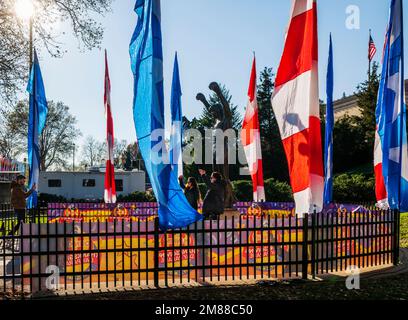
(313, 244)
(156, 252)
(396, 236)
(305, 258)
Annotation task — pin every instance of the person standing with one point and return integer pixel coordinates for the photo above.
(214, 204)
(18, 200)
(191, 191)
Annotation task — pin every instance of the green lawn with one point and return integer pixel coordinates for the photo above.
(7, 224)
(404, 230)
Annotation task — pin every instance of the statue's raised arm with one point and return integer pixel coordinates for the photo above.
(227, 110)
(201, 97)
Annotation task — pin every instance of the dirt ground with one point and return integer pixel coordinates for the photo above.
(391, 288)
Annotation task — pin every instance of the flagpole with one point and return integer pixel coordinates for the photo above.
(402, 109)
(369, 60)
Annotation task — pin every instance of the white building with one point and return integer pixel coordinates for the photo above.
(89, 185)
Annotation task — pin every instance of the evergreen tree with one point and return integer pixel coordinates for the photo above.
(350, 149)
(207, 121)
(367, 93)
(354, 135)
(274, 159)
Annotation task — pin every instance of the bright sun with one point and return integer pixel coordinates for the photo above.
(24, 9)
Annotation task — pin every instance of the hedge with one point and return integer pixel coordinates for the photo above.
(354, 188)
(277, 191)
(138, 197)
(348, 188)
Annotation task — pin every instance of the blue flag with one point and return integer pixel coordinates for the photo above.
(38, 110)
(391, 113)
(328, 146)
(176, 139)
(148, 110)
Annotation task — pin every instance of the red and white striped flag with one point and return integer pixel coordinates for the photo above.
(372, 50)
(296, 105)
(110, 187)
(380, 189)
(251, 140)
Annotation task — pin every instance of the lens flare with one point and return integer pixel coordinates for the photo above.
(24, 9)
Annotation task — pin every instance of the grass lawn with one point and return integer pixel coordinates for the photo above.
(7, 224)
(404, 230)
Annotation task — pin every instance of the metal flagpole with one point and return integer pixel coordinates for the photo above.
(31, 45)
(369, 58)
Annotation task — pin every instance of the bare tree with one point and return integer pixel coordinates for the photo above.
(10, 145)
(14, 53)
(118, 149)
(56, 141)
(93, 152)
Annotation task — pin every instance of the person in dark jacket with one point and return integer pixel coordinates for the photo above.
(18, 200)
(191, 191)
(213, 205)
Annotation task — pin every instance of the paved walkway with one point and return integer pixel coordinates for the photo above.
(393, 270)
(380, 271)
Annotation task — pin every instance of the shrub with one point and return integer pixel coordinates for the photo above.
(353, 188)
(243, 190)
(50, 198)
(277, 191)
(138, 197)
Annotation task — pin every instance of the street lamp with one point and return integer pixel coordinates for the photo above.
(25, 10)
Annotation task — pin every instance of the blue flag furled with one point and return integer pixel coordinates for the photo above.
(148, 111)
(391, 155)
(38, 110)
(176, 139)
(328, 146)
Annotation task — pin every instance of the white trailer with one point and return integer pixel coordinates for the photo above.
(89, 185)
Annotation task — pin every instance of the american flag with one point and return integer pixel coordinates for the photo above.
(372, 50)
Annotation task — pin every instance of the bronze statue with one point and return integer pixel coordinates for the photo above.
(223, 121)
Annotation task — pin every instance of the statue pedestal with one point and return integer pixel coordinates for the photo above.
(229, 213)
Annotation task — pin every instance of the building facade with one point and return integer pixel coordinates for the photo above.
(348, 105)
(89, 185)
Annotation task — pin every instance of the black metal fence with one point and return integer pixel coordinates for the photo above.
(91, 253)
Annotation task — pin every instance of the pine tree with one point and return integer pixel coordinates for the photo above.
(367, 93)
(354, 135)
(274, 159)
(207, 121)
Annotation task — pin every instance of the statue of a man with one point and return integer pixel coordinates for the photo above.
(223, 121)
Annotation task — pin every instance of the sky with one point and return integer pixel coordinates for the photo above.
(215, 41)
